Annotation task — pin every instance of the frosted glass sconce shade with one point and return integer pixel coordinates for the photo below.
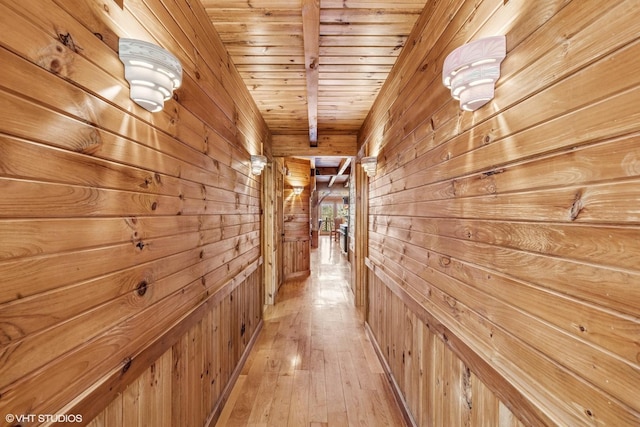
(152, 72)
(297, 190)
(370, 164)
(257, 164)
(472, 70)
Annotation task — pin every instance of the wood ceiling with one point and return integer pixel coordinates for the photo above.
(314, 68)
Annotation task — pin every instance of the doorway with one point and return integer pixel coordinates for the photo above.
(330, 210)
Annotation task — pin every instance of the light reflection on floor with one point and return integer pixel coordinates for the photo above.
(332, 270)
(312, 363)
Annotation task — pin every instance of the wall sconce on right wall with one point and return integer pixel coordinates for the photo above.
(472, 70)
(370, 164)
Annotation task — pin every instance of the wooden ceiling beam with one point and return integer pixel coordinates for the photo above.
(337, 190)
(328, 145)
(311, 37)
(314, 67)
(344, 164)
(326, 171)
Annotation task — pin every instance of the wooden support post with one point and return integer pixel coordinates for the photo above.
(361, 236)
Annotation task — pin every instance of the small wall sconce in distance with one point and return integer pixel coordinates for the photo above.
(152, 72)
(472, 70)
(257, 164)
(370, 164)
(298, 190)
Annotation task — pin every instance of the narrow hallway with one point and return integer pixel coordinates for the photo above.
(313, 364)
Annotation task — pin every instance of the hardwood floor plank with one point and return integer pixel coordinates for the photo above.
(279, 414)
(373, 363)
(227, 411)
(354, 395)
(337, 413)
(299, 409)
(313, 364)
(244, 404)
(262, 405)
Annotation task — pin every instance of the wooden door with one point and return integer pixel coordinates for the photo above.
(296, 231)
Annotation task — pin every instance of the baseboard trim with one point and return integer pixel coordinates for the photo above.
(217, 410)
(397, 394)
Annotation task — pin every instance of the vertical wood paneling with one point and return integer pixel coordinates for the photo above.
(438, 387)
(512, 231)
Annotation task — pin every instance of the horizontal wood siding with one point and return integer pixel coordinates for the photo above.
(119, 228)
(514, 229)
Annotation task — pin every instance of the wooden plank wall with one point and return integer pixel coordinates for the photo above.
(440, 389)
(514, 231)
(186, 385)
(120, 230)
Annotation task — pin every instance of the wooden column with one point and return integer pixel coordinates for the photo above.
(313, 214)
(272, 186)
(269, 238)
(360, 236)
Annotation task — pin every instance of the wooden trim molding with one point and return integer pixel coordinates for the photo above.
(215, 414)
(298, 275)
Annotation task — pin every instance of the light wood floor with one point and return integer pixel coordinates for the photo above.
(313, 364)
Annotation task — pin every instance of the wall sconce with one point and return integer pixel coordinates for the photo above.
(297, 190)
(472, 70)
(257, 164)
(369, 164)
(152, 72)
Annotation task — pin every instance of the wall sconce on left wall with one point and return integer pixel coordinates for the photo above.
(298, 190)
(152, 72)
(257, 164)
(472, 70)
